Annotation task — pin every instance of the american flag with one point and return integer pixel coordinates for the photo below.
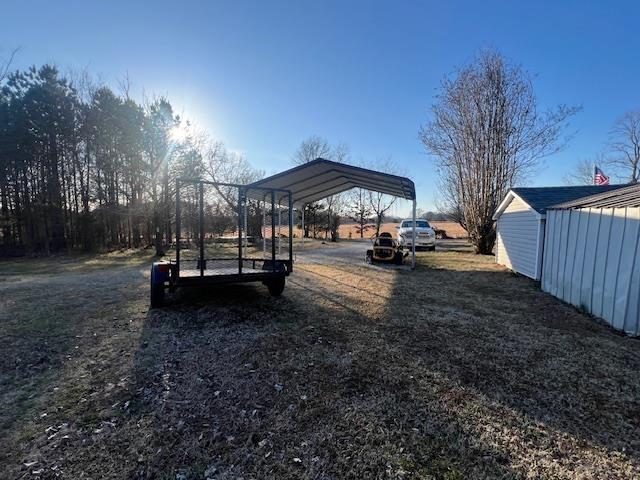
(599, 178)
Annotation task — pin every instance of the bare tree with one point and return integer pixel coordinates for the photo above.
(340, 153)
(486, 134)
(448, 202)
(360, 210)
(5, 65)
(312, 148)
(380, 204)
(335, 207)
(84, 82)
(125, 85)
(625, 144)
(226, 166)
(315, 147)
(582, 172)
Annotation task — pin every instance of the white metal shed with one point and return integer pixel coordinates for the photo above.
(592, 256)
(521, 219)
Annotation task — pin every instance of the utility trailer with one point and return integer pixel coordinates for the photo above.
(212, 241)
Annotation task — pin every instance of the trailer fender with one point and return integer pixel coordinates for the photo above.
(160, 273)
(279, 266)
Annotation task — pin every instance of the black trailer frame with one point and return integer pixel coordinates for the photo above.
(270, 271)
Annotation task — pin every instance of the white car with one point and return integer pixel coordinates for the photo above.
(425, 235)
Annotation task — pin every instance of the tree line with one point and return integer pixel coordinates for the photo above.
(83, 167)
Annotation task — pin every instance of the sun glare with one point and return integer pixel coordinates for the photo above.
(179, 133)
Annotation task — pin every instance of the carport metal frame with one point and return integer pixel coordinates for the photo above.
(306, 185)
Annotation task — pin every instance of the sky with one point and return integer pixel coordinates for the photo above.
(263, 76)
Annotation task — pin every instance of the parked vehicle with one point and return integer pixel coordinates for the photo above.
(425, 235)
(385, 249)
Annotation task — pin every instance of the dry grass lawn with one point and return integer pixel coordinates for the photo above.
(456, 370)
(453, 229)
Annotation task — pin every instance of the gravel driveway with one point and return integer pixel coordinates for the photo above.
(353, 251)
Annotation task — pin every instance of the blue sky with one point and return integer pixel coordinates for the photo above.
(262, 76)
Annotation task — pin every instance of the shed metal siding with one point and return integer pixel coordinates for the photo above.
(518, 239)
(592, 260)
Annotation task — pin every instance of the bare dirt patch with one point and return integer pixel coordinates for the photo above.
(456, 370)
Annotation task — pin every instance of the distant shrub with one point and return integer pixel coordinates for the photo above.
(441, 234)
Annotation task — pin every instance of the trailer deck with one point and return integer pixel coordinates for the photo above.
(216, 217)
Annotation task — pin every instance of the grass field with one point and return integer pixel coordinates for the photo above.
(453, 229)
(348, 230)
(456, 370)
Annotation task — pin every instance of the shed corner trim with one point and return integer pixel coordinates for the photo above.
(509, 197)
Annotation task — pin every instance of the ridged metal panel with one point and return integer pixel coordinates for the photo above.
(322, 178)
(592, 260)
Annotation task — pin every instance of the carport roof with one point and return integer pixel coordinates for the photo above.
(322, 178)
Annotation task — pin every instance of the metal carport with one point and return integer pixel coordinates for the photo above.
(322, 178)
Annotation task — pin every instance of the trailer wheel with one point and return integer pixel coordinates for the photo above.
(157, 295)
(369, 257)
(276, 286)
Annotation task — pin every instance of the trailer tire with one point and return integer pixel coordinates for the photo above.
(157, 295)
(369, 257)
(276, 286)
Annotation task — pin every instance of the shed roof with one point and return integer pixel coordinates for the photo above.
(626, 196)
(542, 198)
(321, 178)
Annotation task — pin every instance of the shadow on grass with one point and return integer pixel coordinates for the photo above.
(524, 360)
(456, 372)
(445, 373)
(232, 381)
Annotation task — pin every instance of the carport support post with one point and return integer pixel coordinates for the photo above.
(273, 230)
(279, 234)
(264, 229)
(290, 231)
(242, 218)
(201, 229)
(302, 235)
(177, 227)
(413, 234)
